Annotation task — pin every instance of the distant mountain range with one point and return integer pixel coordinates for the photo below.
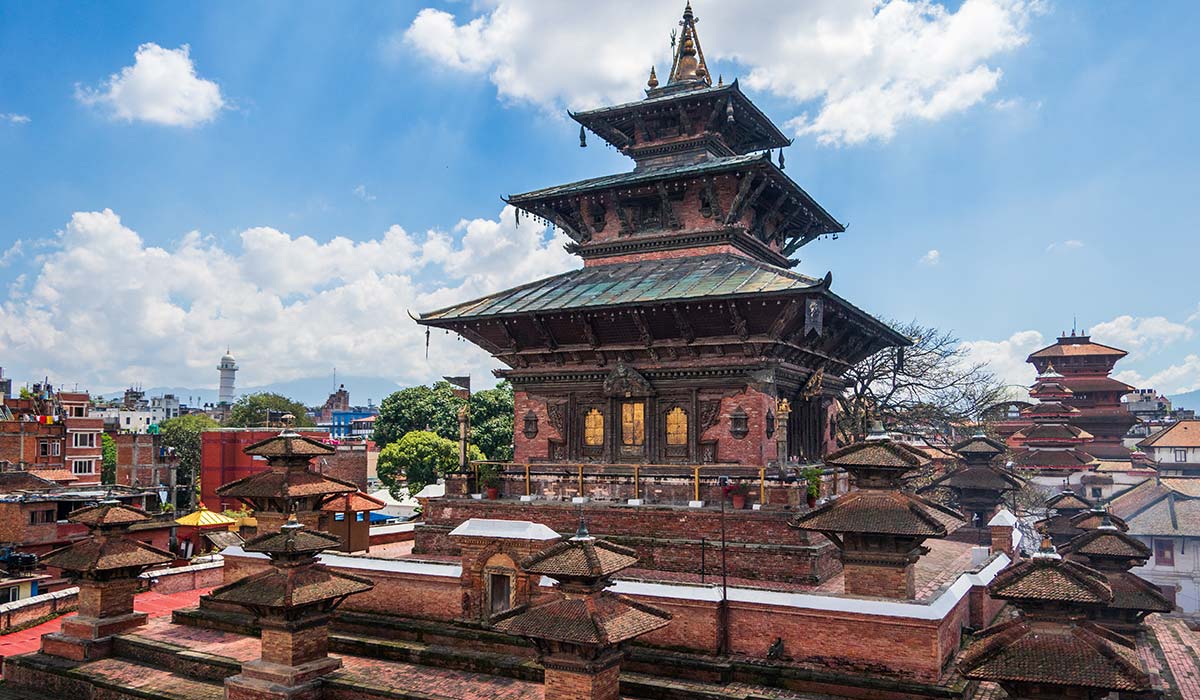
(311, 391)
(1189, 400)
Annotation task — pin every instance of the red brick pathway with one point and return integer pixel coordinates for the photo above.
(154, 604)
(1181, 647)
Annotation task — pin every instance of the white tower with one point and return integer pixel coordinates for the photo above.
(228, 368)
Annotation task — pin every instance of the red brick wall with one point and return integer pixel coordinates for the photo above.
(573, 685)
(19, 444)
(525, 449)
(349, 463)
(222, 460)
(886, 580)
(755, 448)
(138, 459)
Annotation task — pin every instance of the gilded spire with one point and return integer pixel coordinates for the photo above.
(653, 82)
(689, 64)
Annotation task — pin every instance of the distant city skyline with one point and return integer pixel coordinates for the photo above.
(181, 182)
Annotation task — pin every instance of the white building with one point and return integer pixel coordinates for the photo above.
(1175, 449)
(228, 368)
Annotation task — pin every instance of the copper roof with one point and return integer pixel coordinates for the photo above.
(1068, 501)
(1083, 655)
(980, 445)
(880, 511)
(1112, 544)
(293, 587)
(1075, 346)
(1184, 433)
(352, 502)
(289, 444)
(285, 484)
(97, 554)
(886, 454)
(1043, 579)
(108, 514)
(601, 619)
(580, 558)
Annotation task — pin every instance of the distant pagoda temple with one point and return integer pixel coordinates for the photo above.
(1085, 367)
(978, 483)
(1052, 446)
(686, 325)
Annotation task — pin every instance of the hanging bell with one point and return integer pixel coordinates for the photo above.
(582, 137)
(781, 166)
(729, 111)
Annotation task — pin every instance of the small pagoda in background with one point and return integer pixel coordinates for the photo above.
(979, 484)
(1052, 650)
(580, 630)
(1051, 448)
(1064, 507)
(105, 566)
(1085, 368)
(1113, 553)
(880, 528)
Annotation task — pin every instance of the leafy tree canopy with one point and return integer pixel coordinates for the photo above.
(253, 410)
(108, 459)
(183, 435)
(418, 459)
(435, 409)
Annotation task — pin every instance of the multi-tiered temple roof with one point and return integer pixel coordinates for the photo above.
(1052, 443)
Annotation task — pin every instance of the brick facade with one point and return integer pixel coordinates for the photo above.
(222, 460)
(141, 460)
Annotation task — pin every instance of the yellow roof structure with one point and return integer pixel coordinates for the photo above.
(205, 518)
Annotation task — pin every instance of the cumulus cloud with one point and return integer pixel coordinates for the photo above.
(1064, 246)
(1140, 336)
(13, 251)
(161, 87)
(1177, 378)
(931, 258)
(1006, 358)
(14, 118)
(861, 67)
(105, 308)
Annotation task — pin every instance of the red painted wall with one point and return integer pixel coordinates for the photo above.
(222, 460)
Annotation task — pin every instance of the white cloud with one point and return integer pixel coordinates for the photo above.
(1175, 379)
(105, 309)
(931, 258)
(864, 67)
(1140, 336)
(362, 193)
(1006, 358)
(13, 251)
(161, 87)
(14, 118)
(1010, 104)
(1064, 246)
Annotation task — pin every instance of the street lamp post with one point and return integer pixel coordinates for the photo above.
(723, 482)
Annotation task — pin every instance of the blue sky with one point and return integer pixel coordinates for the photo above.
(307, 172)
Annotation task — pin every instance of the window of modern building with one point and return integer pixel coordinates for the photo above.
(359, 517)
(83, 466)
(83, 439)
(633, 423)
(1180, 455)
(677, 426)
(593, 428)
(9, 594)
(1164, 552)
(41, 517)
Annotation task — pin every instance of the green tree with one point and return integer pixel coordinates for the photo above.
(108, 459)
(418, 459)
(182, 434)
(435, 409)
(253, 410)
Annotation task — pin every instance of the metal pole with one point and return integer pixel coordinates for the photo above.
(724, 649)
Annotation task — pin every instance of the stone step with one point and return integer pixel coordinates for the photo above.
(8, 691)
(112, 678)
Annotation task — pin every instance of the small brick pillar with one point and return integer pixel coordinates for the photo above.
(890, 577)
(295, 636)
(580, 630)
(106, 567)
(1001, 528)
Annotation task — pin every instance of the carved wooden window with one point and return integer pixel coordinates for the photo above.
(593, 428)
(677, 427)
(633, 423)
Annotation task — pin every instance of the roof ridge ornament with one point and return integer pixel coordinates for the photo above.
(689, 64)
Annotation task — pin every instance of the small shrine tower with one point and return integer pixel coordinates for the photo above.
(880, 528)
(580, 630)
(978, 483)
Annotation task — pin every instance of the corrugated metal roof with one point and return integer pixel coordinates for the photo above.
(674, 279)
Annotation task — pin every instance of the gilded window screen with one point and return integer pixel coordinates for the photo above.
(593, 428)
(677, 426)
(633, 423)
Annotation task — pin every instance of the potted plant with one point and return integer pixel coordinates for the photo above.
(812, 480)
(489, 480)
(737, 494)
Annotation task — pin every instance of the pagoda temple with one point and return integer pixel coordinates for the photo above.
(1085, 367)
(1052, 448)
(978, 483)
(685, 325)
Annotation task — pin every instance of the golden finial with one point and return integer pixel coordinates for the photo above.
(689, 64)
(653, 82)
(720, 80)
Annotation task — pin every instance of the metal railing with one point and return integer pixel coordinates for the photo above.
(581, 471)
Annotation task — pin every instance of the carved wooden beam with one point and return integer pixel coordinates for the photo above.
(544, 331)
(761, 222)
(749, 200)
(736, 207)
(714, 202)
(718, 113)
(668, 209)
(785, 318)
(640, 124)
(685, 121)
(623, 216)
(739, 321)
(639, 320)
(585, 226)
(508, 335)
(589, 332)
(685, 329)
